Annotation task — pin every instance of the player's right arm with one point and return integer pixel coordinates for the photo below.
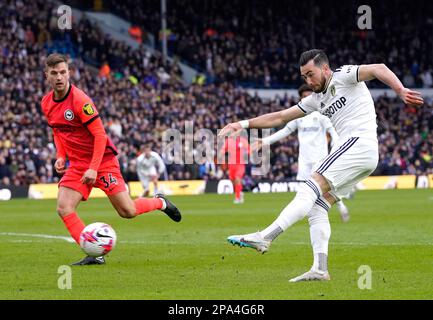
(270, 120)
(60, 164)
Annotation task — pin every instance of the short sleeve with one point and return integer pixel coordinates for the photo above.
(348, 74)
(86, 110)
(308, 104)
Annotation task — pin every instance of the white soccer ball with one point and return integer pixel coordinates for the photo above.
(97, 239)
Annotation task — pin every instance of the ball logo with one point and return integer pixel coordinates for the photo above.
(88, 109)
(69, 115)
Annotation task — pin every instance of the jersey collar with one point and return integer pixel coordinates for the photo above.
(66, 95)
(327, 83)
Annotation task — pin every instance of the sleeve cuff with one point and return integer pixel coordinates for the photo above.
(301, 108)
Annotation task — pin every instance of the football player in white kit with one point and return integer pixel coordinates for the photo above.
(344, 98)
(313, 143)
(149, 167)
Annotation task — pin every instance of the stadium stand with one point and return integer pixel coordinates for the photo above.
(257, 43)
(140, 97)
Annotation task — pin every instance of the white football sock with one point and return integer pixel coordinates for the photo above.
(320, 233)
(304, 201)
(296, 210)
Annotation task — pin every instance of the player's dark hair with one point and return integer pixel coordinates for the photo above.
(318, 56)
(305, 87)
(54, 59)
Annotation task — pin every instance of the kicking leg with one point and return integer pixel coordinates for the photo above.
(297, 209)
(128, 208)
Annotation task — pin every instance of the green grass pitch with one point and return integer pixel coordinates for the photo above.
(155, 258)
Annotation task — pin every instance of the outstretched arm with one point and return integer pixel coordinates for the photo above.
(382, 73)
(281, 134)
(270, 120)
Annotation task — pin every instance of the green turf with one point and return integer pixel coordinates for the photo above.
(390, 231)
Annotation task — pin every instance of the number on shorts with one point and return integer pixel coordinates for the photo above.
(111, 180)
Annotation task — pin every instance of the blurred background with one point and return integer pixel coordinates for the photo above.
(207, 61)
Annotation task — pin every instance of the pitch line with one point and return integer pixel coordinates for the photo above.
(69, 239)
(45, 236)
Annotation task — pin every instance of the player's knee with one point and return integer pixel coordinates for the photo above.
(127, 212)
(63, 209)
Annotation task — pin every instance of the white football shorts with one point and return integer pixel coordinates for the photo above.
(348, 163)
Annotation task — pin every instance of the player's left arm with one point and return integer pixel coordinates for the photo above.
(96, 128)
(382, 73)
(90, 118)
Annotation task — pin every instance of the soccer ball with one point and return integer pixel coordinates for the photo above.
(97, 239)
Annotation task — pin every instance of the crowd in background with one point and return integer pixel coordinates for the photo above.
(257, 43)
(139, 99)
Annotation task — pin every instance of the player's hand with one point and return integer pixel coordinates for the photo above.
(60, 166)
(256, 145)
(232, 129)
(89, 177)
(411, 97)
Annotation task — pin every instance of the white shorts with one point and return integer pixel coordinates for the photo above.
(146, 177)
(348, 163)
(304, 171)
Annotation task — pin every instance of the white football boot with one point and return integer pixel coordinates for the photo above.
(252, 240)
(312, 275)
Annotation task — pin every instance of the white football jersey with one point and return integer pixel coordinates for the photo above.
(347, 103)
(313, 145)
(147, 166)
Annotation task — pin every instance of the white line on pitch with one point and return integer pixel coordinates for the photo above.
(69, 239)
(45, 236)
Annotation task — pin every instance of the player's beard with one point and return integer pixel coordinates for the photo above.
(322, 84)
(60, 91)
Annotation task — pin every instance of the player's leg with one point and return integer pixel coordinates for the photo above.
(344, 211)
(343, 171)
(347, 165)
(320, 233)
(67, 202)
(128, 208)
(236, 175)
(71, 192)
(155, 185)
(145, 184)
(297, 209)
(237, 185)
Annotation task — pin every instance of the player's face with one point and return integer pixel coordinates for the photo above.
(314, 76)
(58, 77)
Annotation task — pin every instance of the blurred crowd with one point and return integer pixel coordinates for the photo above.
(139, 99)
(257, 43)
